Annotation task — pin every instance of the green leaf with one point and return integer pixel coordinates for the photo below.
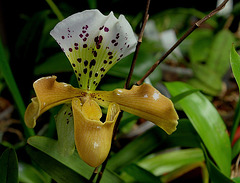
(214, 173)
(236, 149)
(49, 66)
(236, 179)
(73, 162)
(236, 121)
(29, 174)
(141, 175)
(184, 136)
(137, 149)
(183, 95)
(207, 122)
(218, 58)
(28, 45)
(144, 62)
(186, 169)
(201, 41)
(167, 162)
(9, 78)
(196, 83)
(172, 18)
(207, 78)
(58, 171)
(65, 130)
(235, 64)
(9, 166)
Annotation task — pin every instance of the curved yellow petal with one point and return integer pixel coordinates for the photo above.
(49, 93)
(92, 137)
(144, 101)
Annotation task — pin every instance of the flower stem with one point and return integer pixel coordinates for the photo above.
(55, 10)
(189, 31)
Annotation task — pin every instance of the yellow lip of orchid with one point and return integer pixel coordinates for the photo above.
(93, 43)
(92, 137)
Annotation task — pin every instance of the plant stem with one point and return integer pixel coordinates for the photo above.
(144, 22)
(55, 10)
(195, 26)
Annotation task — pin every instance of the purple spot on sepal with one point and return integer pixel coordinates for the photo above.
(63, 37)
(92, 63)
(100, 39)
(94, 53)
(85, 62)
(85, 46)
(79, 60)
(117, 36)
(106, 29)
(101, 27)
(70, 49)
(75, 44)
(98, 46)
(80, 35)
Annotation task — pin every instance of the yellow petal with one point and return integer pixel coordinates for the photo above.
(92, 137)
(144, 101)
(49, 94)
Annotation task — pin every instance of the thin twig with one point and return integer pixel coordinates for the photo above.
(195, 26)
(144, 22)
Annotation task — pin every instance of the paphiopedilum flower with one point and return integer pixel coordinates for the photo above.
(94, 43)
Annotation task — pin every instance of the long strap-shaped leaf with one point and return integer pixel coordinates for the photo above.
(9, 166)
(9, 78)
(207, 122)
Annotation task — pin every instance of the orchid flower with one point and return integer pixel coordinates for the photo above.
(93, 43)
